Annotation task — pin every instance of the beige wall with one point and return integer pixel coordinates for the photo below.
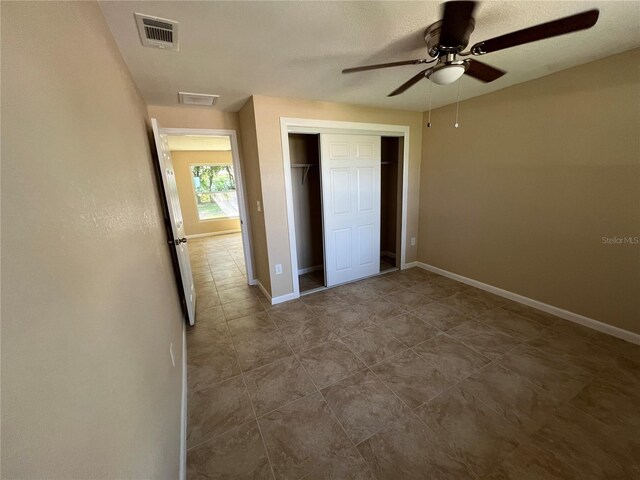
(193, 117)
(89, 300)
(268, 111)
(253, 188)
(520, 195)
(182, 161)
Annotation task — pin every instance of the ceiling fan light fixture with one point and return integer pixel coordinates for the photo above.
(447, 74)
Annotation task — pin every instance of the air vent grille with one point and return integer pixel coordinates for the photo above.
(157, 32)
(160, 31)
(200, 99)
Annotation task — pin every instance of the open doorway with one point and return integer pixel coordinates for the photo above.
(307, 201)
(208, 182)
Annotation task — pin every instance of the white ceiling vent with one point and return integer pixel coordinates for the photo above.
(157, 32)
(201, 99)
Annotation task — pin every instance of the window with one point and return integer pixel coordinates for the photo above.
(215, 189)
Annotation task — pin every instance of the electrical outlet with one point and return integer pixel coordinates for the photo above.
(259, 205)
(278, 268)
(173, 357)
(413, 241)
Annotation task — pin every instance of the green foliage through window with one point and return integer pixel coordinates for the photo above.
(215, 189)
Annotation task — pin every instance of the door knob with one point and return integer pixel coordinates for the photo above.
(178, 241)
(182, 240)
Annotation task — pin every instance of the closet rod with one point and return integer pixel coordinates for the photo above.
(306, 167)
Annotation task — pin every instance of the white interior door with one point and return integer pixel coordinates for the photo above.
(175, 215)
(351, 206)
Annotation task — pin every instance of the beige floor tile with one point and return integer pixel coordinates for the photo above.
(277, 384)
(441, 317)
(362, 404)
(242, 308)
(207, 300)
(408, 300)
(346, 320)
(217, 409)
(479, 436)
(373, 344)
(435, 291)
(529, 462)
(536, 315)
(330, 362)
(408, 329)
(383, 285)
(251, 326)
(377, 309)
(218, 362)
(306, 332)
(512, 324)
(412, 378)
(237, 294)
(231, 282)
(407, 450)
(484, 339)
(210, 316)
(451, 357)
(511, 395)
(561, 380)
(257, 350)
(584, 443)
(238, 453)
(304, 437)
(617, 406)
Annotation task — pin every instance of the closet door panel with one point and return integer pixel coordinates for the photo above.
(351, 206)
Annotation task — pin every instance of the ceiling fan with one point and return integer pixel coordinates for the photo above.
(447, 38)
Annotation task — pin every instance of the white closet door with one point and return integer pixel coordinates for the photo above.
(351, 206)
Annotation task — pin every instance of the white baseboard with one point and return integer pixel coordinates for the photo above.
(410, 265)
(183, 408)
(276, 300)
(212, 234)
(284, 298)
(315, 268)
(558, 312)
(262, 289)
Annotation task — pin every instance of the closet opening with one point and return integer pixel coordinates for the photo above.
(391, 155)
(304, 152)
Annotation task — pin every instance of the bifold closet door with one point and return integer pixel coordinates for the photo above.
(351, 206)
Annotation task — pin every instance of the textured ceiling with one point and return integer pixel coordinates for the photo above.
(297, 49)
(198, 143)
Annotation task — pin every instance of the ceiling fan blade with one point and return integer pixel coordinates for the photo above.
(482, 71)
(573, 23)
(409, 83)
(457, 23)
(385, 65)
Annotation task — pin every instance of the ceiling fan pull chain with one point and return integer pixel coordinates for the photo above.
(429, 121)
(456, 125)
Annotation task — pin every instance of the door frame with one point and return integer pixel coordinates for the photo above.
(245, 227)
(310, 126)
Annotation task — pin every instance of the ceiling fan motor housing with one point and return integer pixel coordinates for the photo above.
(432, 37)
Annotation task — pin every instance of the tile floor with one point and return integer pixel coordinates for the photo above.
(409, 375)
